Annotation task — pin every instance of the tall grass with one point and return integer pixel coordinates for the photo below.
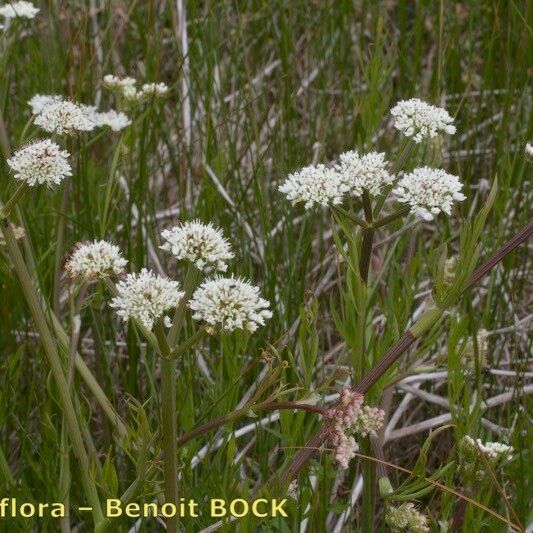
(265, 88)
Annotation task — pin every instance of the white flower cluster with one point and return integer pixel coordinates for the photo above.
(202, 244)
(155, 89)
(20, 9)
(472, 451)
(93, 260)
(40, 163)
(429, 191)
(351, 417)
(419, 120)
(64, 117)
(405, 517)
(367, 172)
(146, 297)
(116, 120)
(314, 184)
(229, 304)
(57, 115)
(39, 101)
(127, 88)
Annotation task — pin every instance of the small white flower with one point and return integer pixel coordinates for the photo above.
(473, 455)
(154, 90)
(529, 151)
(364, 172)
(405, 517)
(42, 162)
(18, 10)
(492, 450)
(229, 304)
(124, 87)
(202, 244)
(116, 120)
(98, 259)
(146, 297)
(419, 120)
(314, 185)
(429, 191)
(115, 82)
(65, 117)
(40, 101)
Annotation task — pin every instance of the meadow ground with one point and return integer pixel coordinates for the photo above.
(258, 90)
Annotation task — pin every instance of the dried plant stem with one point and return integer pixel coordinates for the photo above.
(302, 457)
(238, 413)
(54, 360)
(364, 269)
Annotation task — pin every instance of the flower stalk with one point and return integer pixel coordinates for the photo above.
(54, 360)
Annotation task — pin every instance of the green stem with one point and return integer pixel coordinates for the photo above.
(191, 279)
(169, 421)
(188, 344)
(60, 239)
(390, 218)
(64, 477)
(349, 215)
(12, 202)
(54, 360)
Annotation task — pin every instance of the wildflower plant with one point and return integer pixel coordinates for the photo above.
(300, 345)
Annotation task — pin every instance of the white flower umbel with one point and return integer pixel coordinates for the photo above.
(429, 191)
(492, 450)
(40, 163)
(229, 304)
(202, 244)
(419, 120)
(154, 90)
(405, 517)
(65, 117)
(124, 87)
(314, 185)
(93, 260)
(367, 172)
(474, 454)
(116, 120)
(146, 297)
(40, 101)
(21, 9)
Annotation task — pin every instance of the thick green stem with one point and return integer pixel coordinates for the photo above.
(60, 239)
(170, 435)
(170, 430)
(54, 360)
(191, 278)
